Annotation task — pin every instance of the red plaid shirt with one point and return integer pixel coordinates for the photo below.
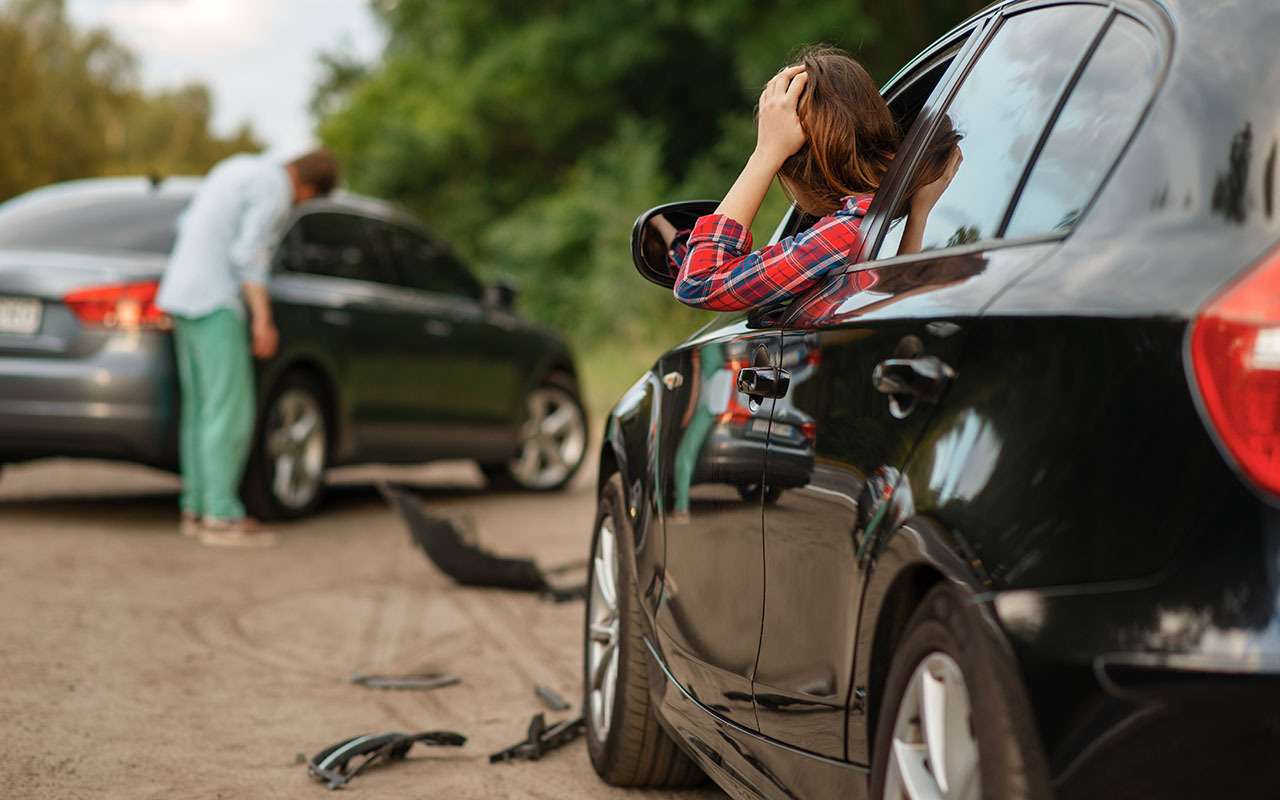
(719, 273)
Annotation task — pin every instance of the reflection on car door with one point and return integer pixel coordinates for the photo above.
(872, 353)
(712, 440)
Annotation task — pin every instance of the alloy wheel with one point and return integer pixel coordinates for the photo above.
(552, 441)
(934, 751)
(603, 631)
(296, 444)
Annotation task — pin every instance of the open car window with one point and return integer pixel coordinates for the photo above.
(905, 102)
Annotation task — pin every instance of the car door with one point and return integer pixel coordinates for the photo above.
(874, 350)
(711, 446)
(475, 410)
(337, 272)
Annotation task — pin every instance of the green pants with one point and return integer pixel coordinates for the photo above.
(216, 373)
(710, 361)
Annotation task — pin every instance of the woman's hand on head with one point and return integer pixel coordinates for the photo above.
(779, 132)
(927, 196)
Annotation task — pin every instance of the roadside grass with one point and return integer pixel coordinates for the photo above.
(609, 369)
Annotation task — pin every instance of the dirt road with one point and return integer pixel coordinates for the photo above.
(137, 664)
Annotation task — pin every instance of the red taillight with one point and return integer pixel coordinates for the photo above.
(1235, 352)
(131, 306)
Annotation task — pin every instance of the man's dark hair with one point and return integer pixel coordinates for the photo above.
(318, 169)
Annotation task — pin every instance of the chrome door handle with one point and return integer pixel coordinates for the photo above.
(759, 383)
(907, 380)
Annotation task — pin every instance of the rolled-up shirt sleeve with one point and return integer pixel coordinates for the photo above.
(720, 274)
(266, 208)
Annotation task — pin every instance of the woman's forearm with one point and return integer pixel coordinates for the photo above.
(913, 234)
(747, 193)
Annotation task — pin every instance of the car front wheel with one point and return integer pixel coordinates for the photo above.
(954, 722)
(285, 477)
(626, 744)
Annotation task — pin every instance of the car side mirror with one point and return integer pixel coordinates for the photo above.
(659, 237)
(501, 294)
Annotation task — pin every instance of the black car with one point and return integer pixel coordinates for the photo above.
(390, 349)
(1037, 551)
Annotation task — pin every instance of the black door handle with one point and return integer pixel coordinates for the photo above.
(923, 378)
(761, 382)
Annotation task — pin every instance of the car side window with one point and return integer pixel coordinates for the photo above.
(1091, 130)
(1001, 107)
(427, 265)
(336, 245)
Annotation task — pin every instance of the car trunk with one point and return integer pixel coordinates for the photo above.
(35, 321)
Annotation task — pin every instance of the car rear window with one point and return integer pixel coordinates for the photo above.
(111, 221)
(1089, 133)
(1001, 108)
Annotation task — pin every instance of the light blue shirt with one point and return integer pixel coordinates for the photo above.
(225, 237)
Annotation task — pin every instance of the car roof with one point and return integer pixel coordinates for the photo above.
(178, 186)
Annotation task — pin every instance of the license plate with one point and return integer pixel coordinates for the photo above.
(760, 426)
(19, 315)
(782, 430)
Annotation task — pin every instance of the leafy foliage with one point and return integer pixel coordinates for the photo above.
(73, 107)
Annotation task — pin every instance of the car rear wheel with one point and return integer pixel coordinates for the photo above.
(954, 723)
(553, 440)
(285, 478)
(626, 744)
(753, 492)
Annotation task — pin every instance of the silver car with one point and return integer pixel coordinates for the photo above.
(391, 351)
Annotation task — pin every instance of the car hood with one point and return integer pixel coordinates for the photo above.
(51, 274)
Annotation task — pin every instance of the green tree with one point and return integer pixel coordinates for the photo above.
(74, 107)
(532, 134)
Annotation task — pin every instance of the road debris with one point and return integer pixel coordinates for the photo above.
(541, 739)
(332, 765)
(450, 544)
(549, 696)
(414, 682)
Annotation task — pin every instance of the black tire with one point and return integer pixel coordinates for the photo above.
(500, 475)
(1011, 765)
(259, 498)
(751, 493)
(636, 751)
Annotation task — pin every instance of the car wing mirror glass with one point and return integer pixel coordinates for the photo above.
(660, 237)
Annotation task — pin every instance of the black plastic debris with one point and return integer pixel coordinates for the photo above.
(466, 562)
(541, 739)
(552, 698)
(332, 765)
(411, 682)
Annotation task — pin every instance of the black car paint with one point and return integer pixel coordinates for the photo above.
(1067, 479)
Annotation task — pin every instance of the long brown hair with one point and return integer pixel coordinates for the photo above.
(852, 135)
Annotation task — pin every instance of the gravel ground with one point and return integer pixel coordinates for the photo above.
(138, 664)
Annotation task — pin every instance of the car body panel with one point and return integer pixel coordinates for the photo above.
(744, 763)
(819, 538)
(709, 629)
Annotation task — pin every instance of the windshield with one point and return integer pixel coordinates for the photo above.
(92, 220)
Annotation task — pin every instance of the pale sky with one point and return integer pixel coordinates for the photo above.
(257, 56)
